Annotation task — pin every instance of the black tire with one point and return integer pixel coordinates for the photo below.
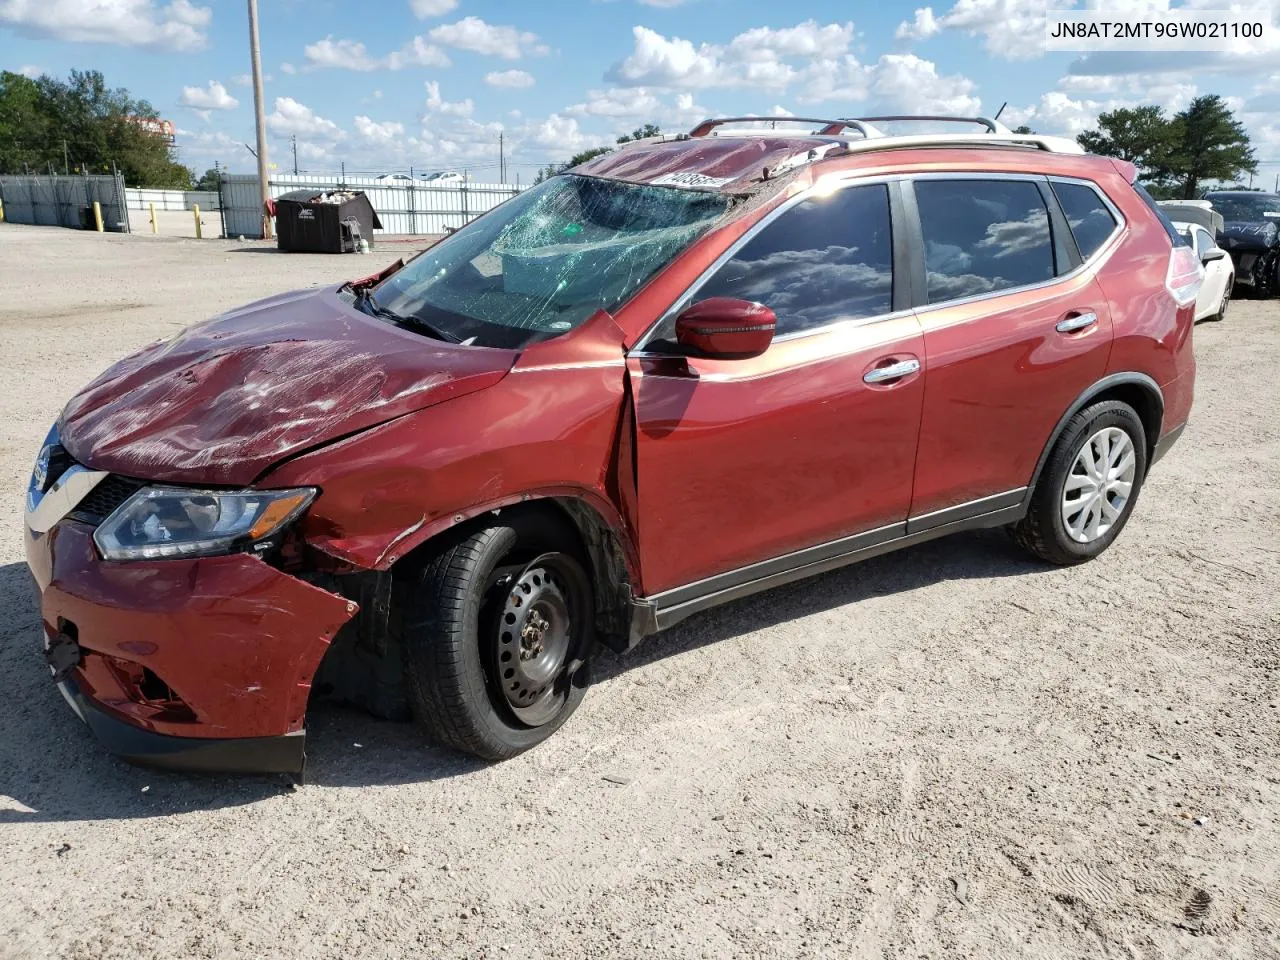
(1222, 307)
(1043, 532)
(448, 614)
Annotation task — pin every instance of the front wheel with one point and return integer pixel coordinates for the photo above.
(1088, 486)
(497, 633)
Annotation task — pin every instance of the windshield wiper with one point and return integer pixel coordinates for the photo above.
(364, 299)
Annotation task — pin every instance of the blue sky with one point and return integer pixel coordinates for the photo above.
(430, 83)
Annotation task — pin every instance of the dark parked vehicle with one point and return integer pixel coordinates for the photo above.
(1251, 235)
(681, 373)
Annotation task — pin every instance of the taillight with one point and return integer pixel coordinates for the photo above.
(1184, 276)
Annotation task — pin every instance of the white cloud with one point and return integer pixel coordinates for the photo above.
(472, 33)
(907, 84)
(211, 97)
(563, 135)
(352, 55)
(661, 61)
(30, 72)
(664, 3)
(924, 26)
(425, 9)
(806, 39)
(388, 132)
(757, 58)
(288, 68)
(179, 25)
(509, 78)
(292, 118)
(437, 104)
(1012, 29)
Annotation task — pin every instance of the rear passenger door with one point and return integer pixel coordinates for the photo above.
(1015, 328)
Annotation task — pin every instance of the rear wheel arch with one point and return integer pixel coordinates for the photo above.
(1137, 390)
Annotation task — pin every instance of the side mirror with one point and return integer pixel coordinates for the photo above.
(1217, 253)
(726, 328)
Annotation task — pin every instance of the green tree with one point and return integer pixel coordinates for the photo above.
(1023, 129)
(640, 133)
(1210, 144)
(80, 123)
(209, 180)
(1141, 135)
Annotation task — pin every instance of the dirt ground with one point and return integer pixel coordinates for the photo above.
(947, 752)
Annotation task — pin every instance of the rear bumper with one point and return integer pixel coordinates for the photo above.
(282, 754)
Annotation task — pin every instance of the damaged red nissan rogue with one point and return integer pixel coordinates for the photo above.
(688, 370)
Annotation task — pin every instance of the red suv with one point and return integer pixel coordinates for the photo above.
(690, 369)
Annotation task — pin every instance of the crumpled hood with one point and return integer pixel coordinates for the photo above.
(1248, 235)
(228, 398)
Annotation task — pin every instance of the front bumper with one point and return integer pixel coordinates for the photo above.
(281, 754)
(199, 664)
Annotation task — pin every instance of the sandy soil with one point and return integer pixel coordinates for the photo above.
(948, 752)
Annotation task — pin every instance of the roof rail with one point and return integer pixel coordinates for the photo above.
(830, 128)
(993, 126)
(1039, 141)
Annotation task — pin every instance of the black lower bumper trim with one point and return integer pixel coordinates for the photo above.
(282, 754)
(1167, 441)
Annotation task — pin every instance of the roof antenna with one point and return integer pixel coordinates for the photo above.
(1001, 110)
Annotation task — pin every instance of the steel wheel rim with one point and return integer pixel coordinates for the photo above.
(1099, 485)
(533, 641)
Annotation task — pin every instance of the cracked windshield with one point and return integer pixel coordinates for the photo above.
(547, 260)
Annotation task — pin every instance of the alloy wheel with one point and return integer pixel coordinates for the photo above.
(1098, 488)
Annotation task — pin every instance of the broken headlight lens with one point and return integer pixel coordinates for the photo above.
(158, 523)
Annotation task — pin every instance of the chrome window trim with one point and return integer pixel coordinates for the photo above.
(825, 185)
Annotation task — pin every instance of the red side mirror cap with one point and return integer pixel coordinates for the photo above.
(726, 328)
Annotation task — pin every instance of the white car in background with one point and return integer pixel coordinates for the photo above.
(1219, 272)
(442, 177)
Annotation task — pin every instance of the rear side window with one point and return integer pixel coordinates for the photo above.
(1090, 219)
(824, 260)
(982, 236)
(1178, 239)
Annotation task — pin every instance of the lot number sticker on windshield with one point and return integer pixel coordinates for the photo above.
(689, 180)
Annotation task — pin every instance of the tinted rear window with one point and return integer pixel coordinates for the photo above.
(981, 236)
(1178, 239)
(1090, 219)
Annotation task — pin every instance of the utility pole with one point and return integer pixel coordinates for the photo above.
(260, 117)
(502, 160)
(66, 164)
(294, 140)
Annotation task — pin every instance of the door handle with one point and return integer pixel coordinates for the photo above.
(1077, 321)
(894, 371)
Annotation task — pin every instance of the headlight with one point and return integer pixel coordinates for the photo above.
(161, 522)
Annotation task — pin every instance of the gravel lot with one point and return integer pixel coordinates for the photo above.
(948, 752)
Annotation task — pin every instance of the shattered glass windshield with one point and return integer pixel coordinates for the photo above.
(546, 260)
(1245, 208)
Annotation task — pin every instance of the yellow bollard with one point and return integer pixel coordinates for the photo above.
(153, 217)
(195, 209)
(1, 211)
(97, 216)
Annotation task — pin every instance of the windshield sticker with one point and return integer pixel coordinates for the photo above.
(689, 180)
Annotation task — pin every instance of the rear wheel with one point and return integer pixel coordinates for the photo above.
(1088, 486)
(497, 633)
(1226, 300)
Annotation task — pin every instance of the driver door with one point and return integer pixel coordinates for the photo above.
(745, 461)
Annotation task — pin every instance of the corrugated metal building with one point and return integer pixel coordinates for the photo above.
(404, 206)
